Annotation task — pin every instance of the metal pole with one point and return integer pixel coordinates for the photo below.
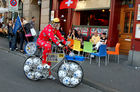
(13, 15)
(133, 47)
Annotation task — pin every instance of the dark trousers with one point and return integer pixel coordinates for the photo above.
(10, 41)
(14, 42)
(22, 39)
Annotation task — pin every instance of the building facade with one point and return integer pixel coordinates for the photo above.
(116, 17)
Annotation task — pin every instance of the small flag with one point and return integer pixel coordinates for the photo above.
(68, 4)
(17, 25)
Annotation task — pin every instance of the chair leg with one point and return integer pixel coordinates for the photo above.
(118, 59)
(108, 58)
(78, 53)
(83, 54)
(90, 59)
(106, 61)
(115, 57)
(99, 62)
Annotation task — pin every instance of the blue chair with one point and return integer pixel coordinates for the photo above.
(102, 53)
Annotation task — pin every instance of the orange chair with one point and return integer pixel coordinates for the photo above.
(71, 43)
(116, 52)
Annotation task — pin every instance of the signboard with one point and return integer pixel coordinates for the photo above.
(93, 4)
(84, 31)
(52, 15)
(53, 57)
(13, 5)
(138, 15)
(137, 34)
(100, 31)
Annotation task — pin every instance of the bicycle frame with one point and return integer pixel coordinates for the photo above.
(59, 62)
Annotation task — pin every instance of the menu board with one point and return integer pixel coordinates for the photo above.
(138, 14)
(100, 31)
(137, 34)
(89, 31)
(84, 31)
(77, 28)
(105, 30)
(92, 31)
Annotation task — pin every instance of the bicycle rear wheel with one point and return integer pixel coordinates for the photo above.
(70, 74)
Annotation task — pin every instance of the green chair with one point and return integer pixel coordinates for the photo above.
(88, 48)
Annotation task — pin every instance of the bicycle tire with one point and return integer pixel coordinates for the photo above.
(25, 73)
(79, 79)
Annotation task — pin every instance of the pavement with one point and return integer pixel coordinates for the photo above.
(111, 78)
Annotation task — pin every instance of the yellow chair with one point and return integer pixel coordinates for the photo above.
(77, 46)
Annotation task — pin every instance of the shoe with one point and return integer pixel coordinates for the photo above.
(94, 48)
(21, 51)
(92, 56)
(16, 49)
(10, 49)
(51, 77)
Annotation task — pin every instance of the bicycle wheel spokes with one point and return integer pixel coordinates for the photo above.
(31, 68)
(70, 74)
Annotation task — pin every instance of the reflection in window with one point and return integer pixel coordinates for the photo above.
(132, 21)
(95, 17)
(126, 23)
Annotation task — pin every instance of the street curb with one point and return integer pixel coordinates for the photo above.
(99, 86)
(94, 84)
(13, 52)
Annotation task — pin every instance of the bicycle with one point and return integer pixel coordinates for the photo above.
(70, 73)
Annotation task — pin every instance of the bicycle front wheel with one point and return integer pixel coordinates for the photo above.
(70, 74)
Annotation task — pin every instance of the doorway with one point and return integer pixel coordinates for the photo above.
(126, 29)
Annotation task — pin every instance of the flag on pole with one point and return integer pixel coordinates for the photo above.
(68, 4)
(17, 25)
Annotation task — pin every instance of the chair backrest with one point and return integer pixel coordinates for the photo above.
(77, 45)
(102, 50)
(71, 42)
(87, 47)
(117, 48)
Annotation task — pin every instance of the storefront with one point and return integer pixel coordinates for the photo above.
(118, 18)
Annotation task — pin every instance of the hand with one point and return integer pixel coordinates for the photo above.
(60, 45)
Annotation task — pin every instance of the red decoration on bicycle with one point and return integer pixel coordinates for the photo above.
(68, 4)
(13, 2)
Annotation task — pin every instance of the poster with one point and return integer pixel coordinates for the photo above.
(137, 34)
(84, 31)
(52, 15)
(138, 15)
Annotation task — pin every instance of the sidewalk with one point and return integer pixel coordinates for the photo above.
(111, 78)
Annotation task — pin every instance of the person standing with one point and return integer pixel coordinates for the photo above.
(10, 33)
(21, 35)
(32, 22)
(1, 21)
(32, 26)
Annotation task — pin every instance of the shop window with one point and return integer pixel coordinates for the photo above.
(129, 3)
(82, 0)
(95, 17)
